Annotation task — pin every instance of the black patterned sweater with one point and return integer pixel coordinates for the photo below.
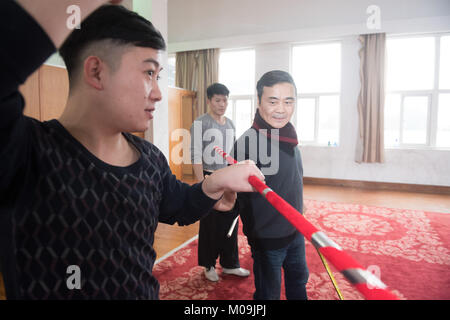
(62, 208)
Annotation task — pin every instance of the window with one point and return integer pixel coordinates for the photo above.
(237, 72)
(443, 123)
(316, 69)
(417, 105)
(443, 132)
(171, 67)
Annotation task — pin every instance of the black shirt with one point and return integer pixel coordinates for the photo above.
(60, 206)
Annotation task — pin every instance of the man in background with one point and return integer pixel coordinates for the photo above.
(209, 130)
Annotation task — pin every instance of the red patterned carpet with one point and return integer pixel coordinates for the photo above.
(409, 250)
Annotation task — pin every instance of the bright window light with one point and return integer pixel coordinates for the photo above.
(329, 120)
(306, 110)
(244, 116)
(417, 105)
(171, 67)
(444, 70)
(410, 63)
(392, 109)
(317, 68)
(415, 118)
(237, 71)
(443, 132)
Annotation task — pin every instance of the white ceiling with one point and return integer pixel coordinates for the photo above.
(193, 20)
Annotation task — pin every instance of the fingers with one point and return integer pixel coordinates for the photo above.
(229, 196)
(259, 175)
(227, 202)
(235, 177)
(247, 162)
(254, 169)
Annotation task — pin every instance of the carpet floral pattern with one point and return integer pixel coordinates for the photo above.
(408, 249)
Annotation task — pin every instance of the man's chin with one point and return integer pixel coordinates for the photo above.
(140, 128)
(278, 125)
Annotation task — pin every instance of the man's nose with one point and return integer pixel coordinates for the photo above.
(280, 108)
(155, 94)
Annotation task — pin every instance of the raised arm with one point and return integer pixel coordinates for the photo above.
(30, 32)
(52, 15)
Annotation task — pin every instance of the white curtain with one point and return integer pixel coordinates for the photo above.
(370, 143)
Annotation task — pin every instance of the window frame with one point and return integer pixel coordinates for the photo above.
(433, 94)
(232, 101)
(233, 98)
(171, 56)
(317, 95)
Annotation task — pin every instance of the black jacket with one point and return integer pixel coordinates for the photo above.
(281, 164)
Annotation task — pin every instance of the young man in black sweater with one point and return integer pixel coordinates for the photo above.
(79, 196)
(272, 143)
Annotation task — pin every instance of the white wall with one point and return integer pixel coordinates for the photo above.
(266, 28)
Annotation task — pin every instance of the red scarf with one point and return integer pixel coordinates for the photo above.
(286, 134)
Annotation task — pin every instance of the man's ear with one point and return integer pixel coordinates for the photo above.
(94, 72)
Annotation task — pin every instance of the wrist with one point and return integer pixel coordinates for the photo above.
(211, 188)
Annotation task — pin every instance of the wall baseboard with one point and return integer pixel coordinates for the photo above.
(378, 185)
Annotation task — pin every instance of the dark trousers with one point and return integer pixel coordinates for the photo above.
(213, 241)
(267, 266)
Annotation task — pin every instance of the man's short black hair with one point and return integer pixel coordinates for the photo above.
(271, 78)
(112, 26)
(217, 88)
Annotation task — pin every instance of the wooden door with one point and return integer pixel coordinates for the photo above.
(180, 117)
(45, 93)
(53, 91)
(187, 104)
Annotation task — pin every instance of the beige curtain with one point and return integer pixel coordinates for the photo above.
(196, 70)
(370, 143)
